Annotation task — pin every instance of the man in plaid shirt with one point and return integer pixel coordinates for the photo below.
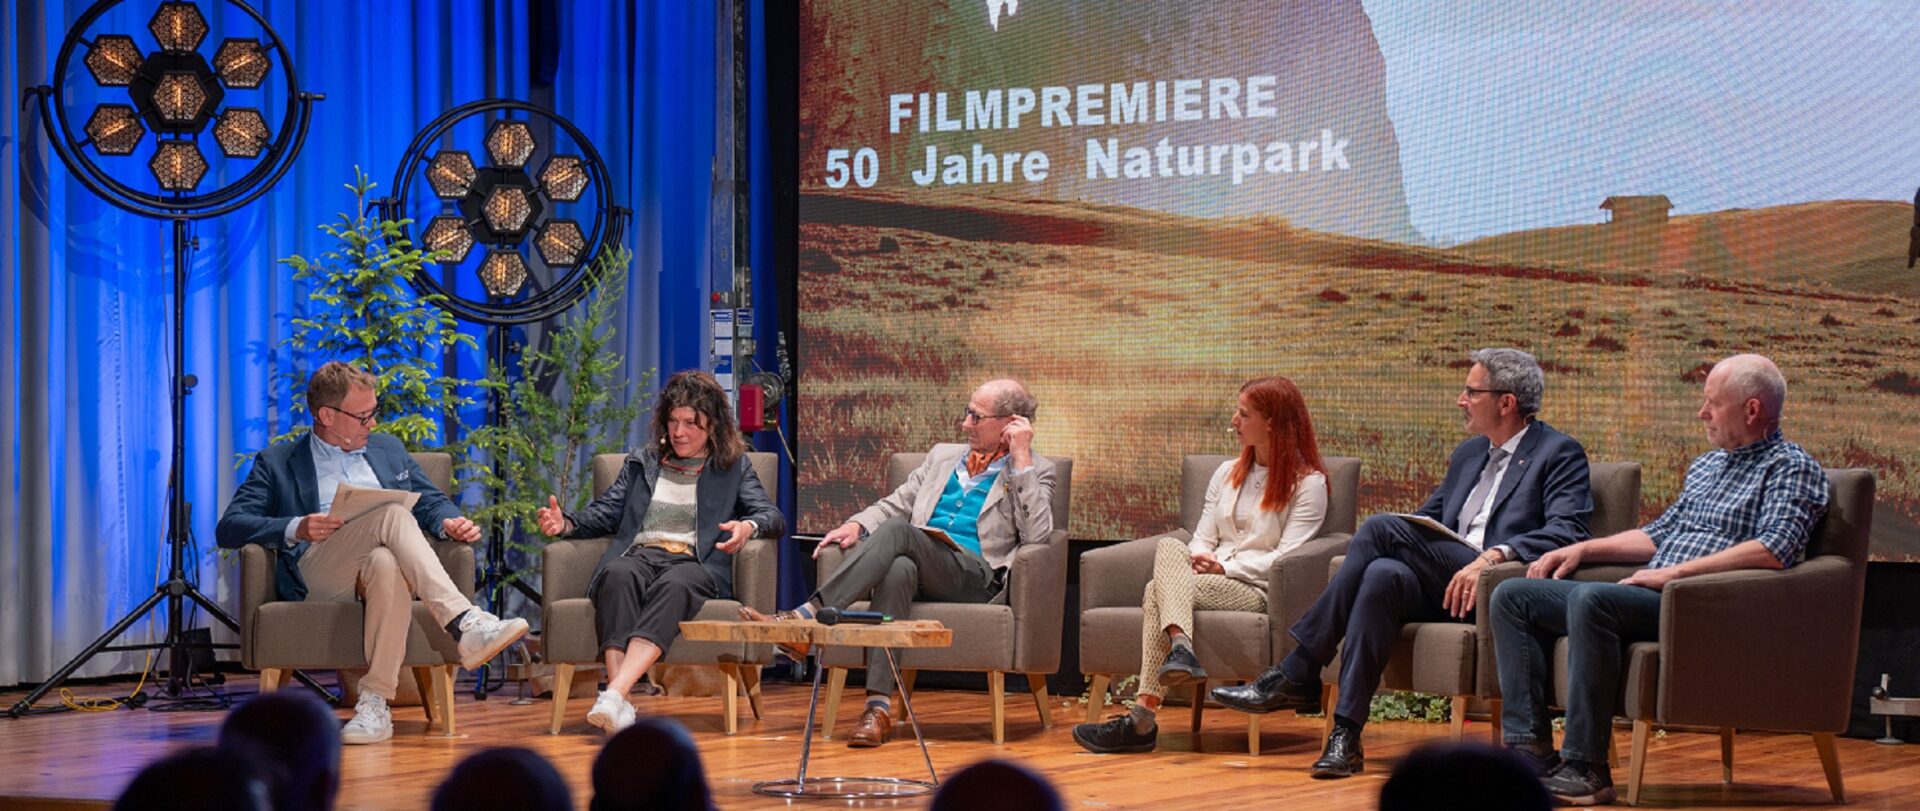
(1749, 504)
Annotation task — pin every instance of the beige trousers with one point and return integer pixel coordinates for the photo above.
(383, 559)
(1172, 596)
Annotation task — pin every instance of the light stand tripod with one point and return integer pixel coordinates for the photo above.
(174, 91)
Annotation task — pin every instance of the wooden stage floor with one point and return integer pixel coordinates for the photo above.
(91, 756)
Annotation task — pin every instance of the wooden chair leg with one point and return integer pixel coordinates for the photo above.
(1253, 735)
(997, 693)
(731, 704)
(1642, 730)
(907, 675)
(1097, 698)
(1037, 686)
(1726, 754)
(1328, 695)
(1613, 750)
(562, 687)
(271, 678)
(750, 675)
(1830, 763)
(1457, 725)
(1499, 734)
(1199, 706)
(836, 684)
(443, 690)
(423, 681)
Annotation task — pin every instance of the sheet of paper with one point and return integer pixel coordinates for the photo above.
(1436, 526)
(350, 502)
(942, 536)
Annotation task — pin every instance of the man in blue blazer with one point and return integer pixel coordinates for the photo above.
(1514, 491)
(381, 557)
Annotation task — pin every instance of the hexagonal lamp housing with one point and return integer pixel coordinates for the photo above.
(561, 243)
(115, 129)
(508, 210)
(241, 62)
(241, 132)
(448, 236)
(451, 174)
(564, 178)
(178, 26)
(176, 92)
(178, 165)
(113, 60)
(503, 272)
(509, 144)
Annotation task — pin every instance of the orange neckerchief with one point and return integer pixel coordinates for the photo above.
(977, 462)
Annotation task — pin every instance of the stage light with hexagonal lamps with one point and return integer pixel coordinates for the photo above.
(109, 91)
(519, 195)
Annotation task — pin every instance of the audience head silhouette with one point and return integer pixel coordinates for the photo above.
(996, 784)
(293, 742)
(506, 777)
(199, 779)
(653, 765)
(1446, 777)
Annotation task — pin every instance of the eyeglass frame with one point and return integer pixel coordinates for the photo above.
(365, 421)
(978, 418)
(1470, 391)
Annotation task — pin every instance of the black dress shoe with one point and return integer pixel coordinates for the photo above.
(1181, 668)
(1343, 757)
(1270, 693)
(1116, 735)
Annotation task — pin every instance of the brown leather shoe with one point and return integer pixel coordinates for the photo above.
(796, 651)
(875, 728)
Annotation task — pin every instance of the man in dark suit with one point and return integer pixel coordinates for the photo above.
(1515, 491)
(381, 557)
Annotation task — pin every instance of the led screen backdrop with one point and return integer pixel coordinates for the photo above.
(1134, 207)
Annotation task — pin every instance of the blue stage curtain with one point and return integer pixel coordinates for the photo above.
(85, 293)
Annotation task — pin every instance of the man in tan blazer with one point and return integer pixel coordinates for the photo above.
(988, 495)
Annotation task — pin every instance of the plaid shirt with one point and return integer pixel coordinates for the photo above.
(1771, 491)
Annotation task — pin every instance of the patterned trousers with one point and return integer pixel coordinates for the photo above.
(1173, 595)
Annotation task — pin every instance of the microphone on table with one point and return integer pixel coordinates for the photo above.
(834, 616)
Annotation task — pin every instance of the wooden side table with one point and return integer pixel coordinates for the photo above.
(886, 636)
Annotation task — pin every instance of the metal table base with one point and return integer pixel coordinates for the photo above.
(849, 788)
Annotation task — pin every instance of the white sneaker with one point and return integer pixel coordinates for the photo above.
(611, 712)
(372, 721)
(483, 636)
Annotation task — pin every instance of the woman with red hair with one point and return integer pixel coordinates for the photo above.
(1259, 507)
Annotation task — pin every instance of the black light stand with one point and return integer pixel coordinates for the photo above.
(502, 206)
(178, 166)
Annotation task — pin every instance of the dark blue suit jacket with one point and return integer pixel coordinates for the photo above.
(1543, 502)
(281, 489)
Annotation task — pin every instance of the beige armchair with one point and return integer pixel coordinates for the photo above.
(1725, 639)
(1022, 636)
(1231, 645)
(1456, 658)
(568, 638)
(278, 637)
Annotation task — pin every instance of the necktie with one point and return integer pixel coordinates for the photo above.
(977, 462)
(1478, 498)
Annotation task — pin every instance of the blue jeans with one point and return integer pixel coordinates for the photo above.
(1599, 620)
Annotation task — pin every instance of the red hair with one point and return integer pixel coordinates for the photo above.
(1290, 442)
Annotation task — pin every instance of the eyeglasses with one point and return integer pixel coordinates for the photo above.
(365, 420)
(1470, 391)
(975, 416)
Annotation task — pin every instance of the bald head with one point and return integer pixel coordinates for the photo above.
(1009, 397)
(1743, 398)
(1754, 377)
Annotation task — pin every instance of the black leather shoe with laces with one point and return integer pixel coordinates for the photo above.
(1181, 668)
(1115, 735)
(1343, 757)
(1270, 693)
